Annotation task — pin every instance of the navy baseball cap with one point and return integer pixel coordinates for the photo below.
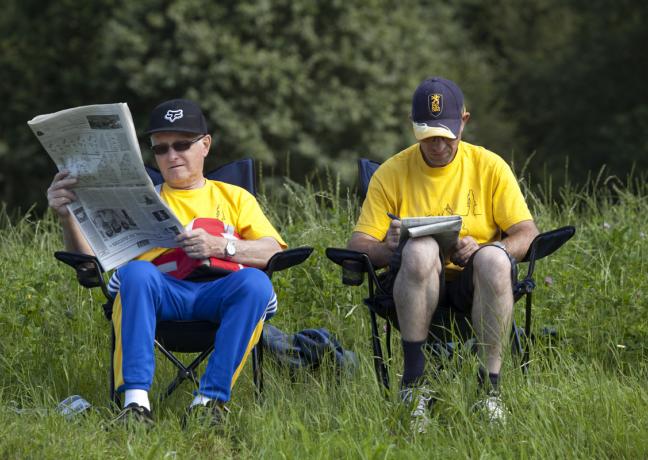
(437, 108)
(178, 115)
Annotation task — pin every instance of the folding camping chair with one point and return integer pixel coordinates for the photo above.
(186, 336)
(445, 323)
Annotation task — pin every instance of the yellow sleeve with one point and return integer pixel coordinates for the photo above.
(252, 223)
(509, 205)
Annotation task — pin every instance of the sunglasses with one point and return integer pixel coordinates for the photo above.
(178, 146)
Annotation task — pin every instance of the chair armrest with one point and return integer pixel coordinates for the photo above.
(547, 243)
(286, 259)
(87, 267)
(354, 265)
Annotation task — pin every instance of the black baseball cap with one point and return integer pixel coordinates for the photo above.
(437, 108)
(178, 115)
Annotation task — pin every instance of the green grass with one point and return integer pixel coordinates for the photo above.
(584, 397)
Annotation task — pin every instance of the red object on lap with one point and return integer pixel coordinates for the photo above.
(177, 263)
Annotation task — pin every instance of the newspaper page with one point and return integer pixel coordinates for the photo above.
(118, 209)
(445, 229)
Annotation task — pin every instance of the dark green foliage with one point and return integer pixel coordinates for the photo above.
(320, 81)
(300, 85)
(49, 60)
(572, 75)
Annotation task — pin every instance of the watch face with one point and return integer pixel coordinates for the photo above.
(230, 249)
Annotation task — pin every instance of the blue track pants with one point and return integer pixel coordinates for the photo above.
(238, 302)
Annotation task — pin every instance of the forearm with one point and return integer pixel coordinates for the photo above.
(519, 238)
(73, 239)
(253, 253)
(379, 252)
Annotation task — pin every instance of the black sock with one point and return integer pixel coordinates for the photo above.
(414, 362)
(493, 379)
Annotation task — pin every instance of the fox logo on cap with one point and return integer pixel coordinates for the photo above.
(436, 104)
(173, 115)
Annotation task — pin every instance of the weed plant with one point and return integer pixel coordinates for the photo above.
(585, 395)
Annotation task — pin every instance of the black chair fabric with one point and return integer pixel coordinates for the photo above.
(366, 169)
(186, 336)
(155, 175)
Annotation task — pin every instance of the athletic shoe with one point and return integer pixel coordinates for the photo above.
(421, 399)
(211, 414)
(492, 408)
(134, 413)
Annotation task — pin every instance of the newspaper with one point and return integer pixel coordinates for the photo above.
(118, 209)
(445, 229)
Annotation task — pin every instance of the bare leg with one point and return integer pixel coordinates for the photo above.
(492, 308)
(416, 288)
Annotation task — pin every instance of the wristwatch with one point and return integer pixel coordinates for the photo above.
(230, 249)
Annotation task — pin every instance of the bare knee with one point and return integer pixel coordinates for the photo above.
(420, 258)
(492, 268)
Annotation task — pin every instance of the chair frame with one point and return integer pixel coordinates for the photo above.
(356, 264)
(90, 274)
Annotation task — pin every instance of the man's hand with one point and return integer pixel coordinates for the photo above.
(393, 235)
(463, 250)
(198, 244)
(60, 194)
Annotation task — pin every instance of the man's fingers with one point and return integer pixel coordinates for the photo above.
(186, 236)
(63, 179)
(60, 201)
(59, 198)
(63, 193)
(191, 237)
(61, 174)
(63, 183)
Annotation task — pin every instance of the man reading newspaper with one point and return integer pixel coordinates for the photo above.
(442, 175)
(223, 222)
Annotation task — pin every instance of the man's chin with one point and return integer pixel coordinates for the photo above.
(175, 179)
(438, 161)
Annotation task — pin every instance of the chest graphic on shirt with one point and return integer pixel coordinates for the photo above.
(217, 213)
(467, 207)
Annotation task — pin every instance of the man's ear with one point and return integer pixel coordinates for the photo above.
(206, 143)
(464, 119)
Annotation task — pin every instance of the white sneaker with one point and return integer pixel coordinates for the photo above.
(493, 408)
(421, 399)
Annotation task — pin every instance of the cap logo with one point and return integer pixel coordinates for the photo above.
(436, 104)
(173, 115)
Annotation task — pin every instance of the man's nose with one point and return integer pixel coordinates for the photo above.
(436, 142)
(172, 153)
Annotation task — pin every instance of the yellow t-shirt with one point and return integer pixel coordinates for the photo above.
(477, 184)
(228, 203)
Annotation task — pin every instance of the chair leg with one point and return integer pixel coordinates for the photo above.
(114, 396)
(379, 363)
(257, 367)
(184, 372)
(388, 329)
(517, 349)
(527, 332)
